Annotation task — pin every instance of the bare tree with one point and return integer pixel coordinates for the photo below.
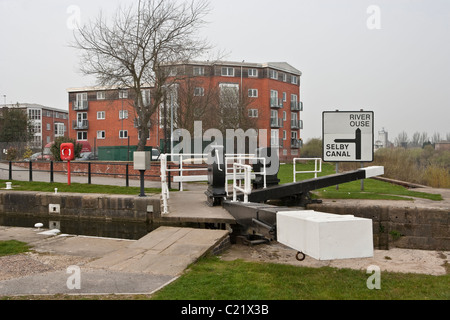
(134, 50)
(402, 140)
(436, 137)
(415, 140)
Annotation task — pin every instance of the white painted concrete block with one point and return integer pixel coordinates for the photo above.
(325, 236)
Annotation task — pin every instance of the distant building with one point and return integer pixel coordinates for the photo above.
(382, 141)
(48, 123)
(105, 117)
(443, 145)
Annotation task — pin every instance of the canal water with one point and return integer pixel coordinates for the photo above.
(85, 227)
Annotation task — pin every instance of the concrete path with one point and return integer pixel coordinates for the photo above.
(106, 266)
(165, 251)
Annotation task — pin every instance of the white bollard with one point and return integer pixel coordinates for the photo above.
(8, 185)
(56, 190)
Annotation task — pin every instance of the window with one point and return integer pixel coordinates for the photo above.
(253, 113)
(123, 114)
(59, 129)
(253, 93)
(82, 96)
(101, 134)
(82, 135)
(273, 74)
(274, 141)
(123, 134)
(101, 95)
(48, 126)
(199, 71)
(274, 114)
(199, 92)
(36, 128)
(284, 77)
(294, 97)
(227, 72)
(48, 114)
(274, 98)
(139, 135)
(56, 115)
(253, 73)
(284, 97)
(101, 115)
(229, 95)
(123, 94)
(294, 80)
(294, 135)
(34, 114)
(81, 117)
(284, 135)
(146, 97)
(284, 116)
(294, 116)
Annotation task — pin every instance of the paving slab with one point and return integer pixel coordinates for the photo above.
(165, 251)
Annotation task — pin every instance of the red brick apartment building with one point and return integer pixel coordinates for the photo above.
(106, 118)
(48, 123)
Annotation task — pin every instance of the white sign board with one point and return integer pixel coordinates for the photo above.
(348, 136)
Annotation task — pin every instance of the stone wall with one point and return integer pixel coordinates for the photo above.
(82, 206)
(400, 227)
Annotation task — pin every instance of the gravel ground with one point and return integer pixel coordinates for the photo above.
(393, 260)
(20, 265)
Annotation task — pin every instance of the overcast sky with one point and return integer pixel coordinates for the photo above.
(387, 56)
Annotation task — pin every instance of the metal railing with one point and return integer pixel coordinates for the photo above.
(27, 166)
(247, 181)
(188, 157)
(317, 166)
(242, 158)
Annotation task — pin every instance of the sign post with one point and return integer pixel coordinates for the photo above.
(348, 136)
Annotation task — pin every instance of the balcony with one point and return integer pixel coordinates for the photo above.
(82, 105)
(296, 124)
(80, 124)
(296, 106)
(296, 143)
(276, 103)
(276, 123)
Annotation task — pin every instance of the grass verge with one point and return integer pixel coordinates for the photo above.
(373, 189)
(214, 279)
(77, 188)
(11, 247)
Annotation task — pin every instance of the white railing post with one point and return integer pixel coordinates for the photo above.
(247, 181)
(164, 186)
(316, 170)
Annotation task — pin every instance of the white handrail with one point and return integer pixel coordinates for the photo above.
(241, 158)
(164, 186)
(247, 178)
(193, 157)
(316, 170)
